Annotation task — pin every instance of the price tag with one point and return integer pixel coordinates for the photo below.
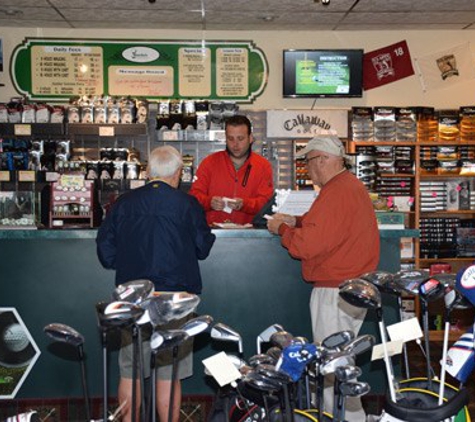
(4, 176)
(22, 130)
(106, 131)
(170, 135)
(218, 135)
(26, 176)
(52, 176)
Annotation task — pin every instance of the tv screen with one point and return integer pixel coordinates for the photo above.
(323, 73)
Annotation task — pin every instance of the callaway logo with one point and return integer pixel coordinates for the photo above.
(468, 278)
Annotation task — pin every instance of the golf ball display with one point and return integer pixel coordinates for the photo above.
(15, 337)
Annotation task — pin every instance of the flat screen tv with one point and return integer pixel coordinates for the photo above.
(323, 73)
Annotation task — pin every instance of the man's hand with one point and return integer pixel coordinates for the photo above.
(288, 219)
(273, 225)
(237, 204)
(217, 203)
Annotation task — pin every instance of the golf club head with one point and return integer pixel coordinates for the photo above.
(360, 293)
(360, 344)
(197, 325)
(261, 382)
(347, 372)
(409, 280)
(335, 360)
(274, 352)
(64, 333)
(299, 340)
(338, 340)
(269, 371)
(378, 278)
(223, 332)
(156, 340)
(431, 290)
(173, 338)
(134, 291)
(167, 307)
(281, 339)
(354, 388)
(264, 336)
(262, 359)
(121, 314)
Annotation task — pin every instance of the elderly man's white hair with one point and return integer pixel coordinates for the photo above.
(164, 162)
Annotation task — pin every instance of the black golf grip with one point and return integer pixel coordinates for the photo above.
(409, 414)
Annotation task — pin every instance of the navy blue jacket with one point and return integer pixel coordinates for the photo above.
(157, 233)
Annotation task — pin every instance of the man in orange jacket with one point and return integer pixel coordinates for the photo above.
(337, 239)
(233, 185)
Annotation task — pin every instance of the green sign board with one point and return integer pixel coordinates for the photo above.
(58, 69)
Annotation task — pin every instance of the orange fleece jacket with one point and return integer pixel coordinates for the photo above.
(216, 176)
(338, 238)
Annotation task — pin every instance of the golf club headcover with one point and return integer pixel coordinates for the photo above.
(461, 357)
(465, 283)
(294, 359)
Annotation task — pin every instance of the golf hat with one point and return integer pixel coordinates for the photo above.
(330, 144)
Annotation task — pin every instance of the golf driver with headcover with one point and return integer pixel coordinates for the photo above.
(66, 334)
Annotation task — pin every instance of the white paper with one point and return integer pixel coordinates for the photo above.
(227, 208)
(296, 202)
(221, 367)
(407, 330)
(394, 348)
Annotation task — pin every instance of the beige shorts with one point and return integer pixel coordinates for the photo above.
(164, 359)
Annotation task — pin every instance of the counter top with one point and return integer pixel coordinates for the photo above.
(19, 234)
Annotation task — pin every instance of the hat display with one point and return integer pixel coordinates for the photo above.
(330, 144)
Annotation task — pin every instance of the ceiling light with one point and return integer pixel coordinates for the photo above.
(267, 18)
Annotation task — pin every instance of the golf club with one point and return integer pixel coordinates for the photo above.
(66, 334)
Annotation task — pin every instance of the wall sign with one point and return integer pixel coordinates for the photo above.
(306, 123)
(18, 352)
(58, 69)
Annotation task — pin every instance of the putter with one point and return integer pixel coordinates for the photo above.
(363, 294)
(66, 334)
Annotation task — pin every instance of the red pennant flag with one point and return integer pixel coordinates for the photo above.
(386, 65)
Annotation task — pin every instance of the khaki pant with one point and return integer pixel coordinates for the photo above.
(331, 314)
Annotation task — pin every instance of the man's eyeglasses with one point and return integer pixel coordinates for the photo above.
(307, 160)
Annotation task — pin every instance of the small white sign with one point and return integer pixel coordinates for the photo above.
(406, 330)
(222, 369)
(22, 130)
(106, 131)
(394, 348)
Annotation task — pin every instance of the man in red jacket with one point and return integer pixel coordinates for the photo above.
(233, 185)
(337, 239)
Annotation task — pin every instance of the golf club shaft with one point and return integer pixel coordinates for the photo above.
(84, 382)
(444, 362)
(105, 391)
(172, 387)
(389, 372)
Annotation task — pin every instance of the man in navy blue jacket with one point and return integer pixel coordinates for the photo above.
(158, 233)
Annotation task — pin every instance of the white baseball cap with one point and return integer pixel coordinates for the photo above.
(330, 144)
